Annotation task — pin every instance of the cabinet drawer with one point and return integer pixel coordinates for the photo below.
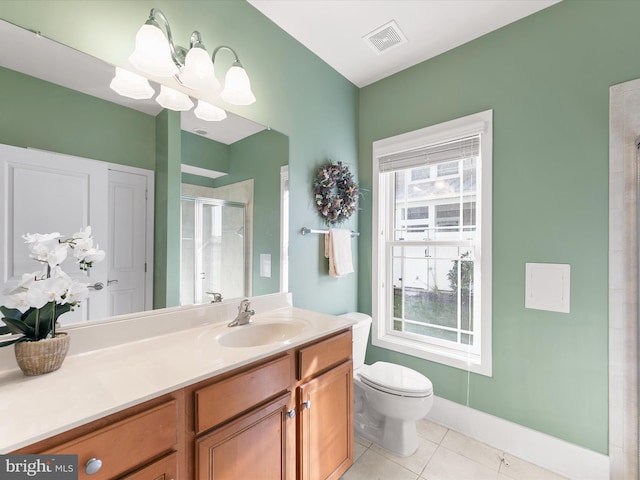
(226, 399)
(325, 354)
(126, 444)
(164, 469)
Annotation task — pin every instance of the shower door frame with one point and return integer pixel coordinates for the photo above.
(198, 291)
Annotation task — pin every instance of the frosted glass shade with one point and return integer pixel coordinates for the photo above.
(173, 99)
(237, 87)
(198, 72)
(153, 54)
(131, 85)
(210, 113)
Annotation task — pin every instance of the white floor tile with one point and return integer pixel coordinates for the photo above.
(358, 450)
(362, 441)
(415, 462)
(473, 449)
(431, 431)
(371, 466)
(519, 469)
(448, 455)
(448, 465)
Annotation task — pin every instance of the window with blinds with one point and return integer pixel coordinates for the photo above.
(429, 245)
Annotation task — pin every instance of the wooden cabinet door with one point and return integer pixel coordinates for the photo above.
(252, 447)
(325, 428)
(164, 469)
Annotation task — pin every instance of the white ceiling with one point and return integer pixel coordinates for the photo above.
(334, 29)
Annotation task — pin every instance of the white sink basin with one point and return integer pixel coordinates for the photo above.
(257, 334)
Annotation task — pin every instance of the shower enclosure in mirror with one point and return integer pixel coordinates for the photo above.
(213, 250)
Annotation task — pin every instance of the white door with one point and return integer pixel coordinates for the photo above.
(43, 192)
(126, 257)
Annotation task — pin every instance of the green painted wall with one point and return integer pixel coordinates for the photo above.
(547, 78)
(42, 115)
(260, 157)
(298, 95)
(202, 152)
(167, 226)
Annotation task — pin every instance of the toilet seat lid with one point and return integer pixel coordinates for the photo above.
(396, 379)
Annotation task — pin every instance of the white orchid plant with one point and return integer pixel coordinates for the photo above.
(32, 307)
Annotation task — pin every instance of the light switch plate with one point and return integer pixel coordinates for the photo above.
(265, 265)
(548, 287)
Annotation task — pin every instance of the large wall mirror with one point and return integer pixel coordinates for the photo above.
(56, 99)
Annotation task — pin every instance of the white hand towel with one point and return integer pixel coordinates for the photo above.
(337, 248)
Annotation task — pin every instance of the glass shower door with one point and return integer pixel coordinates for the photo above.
(218, 253)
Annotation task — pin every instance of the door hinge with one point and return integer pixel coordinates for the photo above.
(146, 194)
(145, 267)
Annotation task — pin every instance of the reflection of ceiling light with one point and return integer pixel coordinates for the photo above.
(132, 85)
(173, 99)
(208, 112)
(155, 54)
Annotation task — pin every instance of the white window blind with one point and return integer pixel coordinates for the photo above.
(442, 152)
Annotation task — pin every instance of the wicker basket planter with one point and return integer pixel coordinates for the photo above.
(43, 356)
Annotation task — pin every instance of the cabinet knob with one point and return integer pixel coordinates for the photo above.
(306, 404)
(92, 466)
(291, 413)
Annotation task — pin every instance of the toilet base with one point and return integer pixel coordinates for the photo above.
(397, 436)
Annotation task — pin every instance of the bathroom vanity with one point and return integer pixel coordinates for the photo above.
(283, 409)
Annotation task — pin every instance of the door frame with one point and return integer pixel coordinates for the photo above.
(624, 190)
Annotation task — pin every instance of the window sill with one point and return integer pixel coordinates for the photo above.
(453, 358)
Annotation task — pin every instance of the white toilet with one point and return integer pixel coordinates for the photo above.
(389, 398)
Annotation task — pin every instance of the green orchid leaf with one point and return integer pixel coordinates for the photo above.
(40, 317)
(11, 342)
(29, 317)
(4, 330)
(60, 309)
(11, 313)
(45, 327)
(18, 326)
(46, 311)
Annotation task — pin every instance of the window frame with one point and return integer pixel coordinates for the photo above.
(382, 336)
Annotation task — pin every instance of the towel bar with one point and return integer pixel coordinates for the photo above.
(306, 231)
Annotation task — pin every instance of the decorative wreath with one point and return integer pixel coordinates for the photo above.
(335, 193)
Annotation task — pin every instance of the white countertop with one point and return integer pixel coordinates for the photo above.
(93, 383)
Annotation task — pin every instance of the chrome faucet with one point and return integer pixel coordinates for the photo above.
(217, 297)
(244, 314)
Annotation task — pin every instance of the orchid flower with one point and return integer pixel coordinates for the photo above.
(76, 293)
(51, 288)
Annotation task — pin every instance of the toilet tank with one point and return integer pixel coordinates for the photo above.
(360, 336)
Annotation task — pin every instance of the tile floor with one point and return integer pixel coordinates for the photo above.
(442, 454)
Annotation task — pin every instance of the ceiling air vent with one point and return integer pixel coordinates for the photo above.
(385, 38)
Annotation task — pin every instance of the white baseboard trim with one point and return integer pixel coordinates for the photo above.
(535, 447)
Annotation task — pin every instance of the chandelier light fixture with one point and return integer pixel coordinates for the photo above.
(157, 55)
